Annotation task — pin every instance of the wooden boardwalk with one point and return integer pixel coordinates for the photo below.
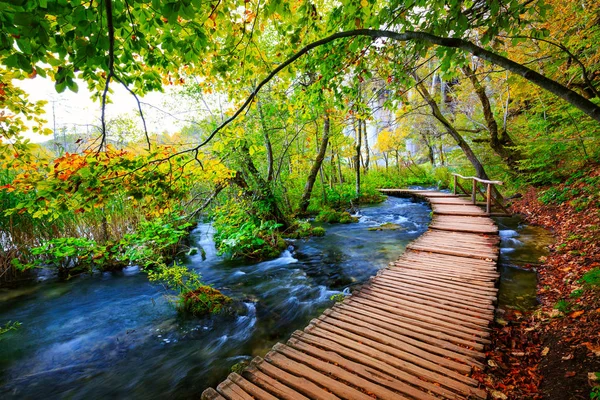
(414, 331)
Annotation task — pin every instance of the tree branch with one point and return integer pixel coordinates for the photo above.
(111, 67)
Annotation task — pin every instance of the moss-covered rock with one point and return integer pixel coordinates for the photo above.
(388, 226)
(204, 300)
(334, 217)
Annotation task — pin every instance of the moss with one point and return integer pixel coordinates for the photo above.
(204, 300)
(332, 216)
(318, 231)
(388, 226)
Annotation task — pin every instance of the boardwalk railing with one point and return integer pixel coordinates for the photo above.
(488, 196)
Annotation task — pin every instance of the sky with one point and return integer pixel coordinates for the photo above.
(77, 111)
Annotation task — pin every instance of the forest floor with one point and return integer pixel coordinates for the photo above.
(553, 352)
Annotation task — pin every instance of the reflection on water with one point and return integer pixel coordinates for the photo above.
(520, 246)
(116, 335)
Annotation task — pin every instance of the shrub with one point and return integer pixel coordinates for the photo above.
(195, 297)
(240, 234)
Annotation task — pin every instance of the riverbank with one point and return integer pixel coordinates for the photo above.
(554, 351)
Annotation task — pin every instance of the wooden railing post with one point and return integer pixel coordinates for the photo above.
(455, 182)
(474, 192)
(488, 195)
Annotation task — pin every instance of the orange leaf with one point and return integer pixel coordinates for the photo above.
(576, 314)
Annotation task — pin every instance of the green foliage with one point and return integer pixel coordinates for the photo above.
(335, 217)
(303, 229)
(564, 306)
(591, 278)
(595, 392)
(193, 296)
(318, 231)
(9, 326)
(577, 293)
(241, 234)
(71, 255)
(338, 297)
(156, 241)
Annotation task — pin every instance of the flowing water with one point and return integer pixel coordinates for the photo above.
(116, 335)
(521, 247)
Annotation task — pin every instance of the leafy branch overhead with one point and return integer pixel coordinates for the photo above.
(145, 44)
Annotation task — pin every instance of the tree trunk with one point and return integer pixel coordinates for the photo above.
(267, 143)
(357, 157)
(312, 175)
(500, 142)
(367, 150)
(479, 170)
(260, 190)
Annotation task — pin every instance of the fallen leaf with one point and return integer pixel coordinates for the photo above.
(593, 376)
(594, 349)
(545, 351)
(570, 374)
(498, 395)
(492, 364)
(567, 357)
(576, 314)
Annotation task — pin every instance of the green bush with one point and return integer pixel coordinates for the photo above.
(70, 256)
(240, 234)
(155, 242)
(194, 297)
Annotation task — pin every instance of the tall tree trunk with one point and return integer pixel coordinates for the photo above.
(397, 160)
(442, 156)
(429, 146)
(479, 170)
(333, 167)
(500, 141)
(367, 150)
(260, 190)
(357, 157)
(312, 175)
(268, 146)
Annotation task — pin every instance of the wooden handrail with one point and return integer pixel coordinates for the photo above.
(479, 179)
(488, 193)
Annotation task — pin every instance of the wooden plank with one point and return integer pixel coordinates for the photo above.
(298, 383)
(231, 391)
(425, 309)
(336, 387)
(278, 389)
(441, 340)
(417, 329)
(385, 303)
(466, 286)
(440, 376)
(485, 281)
(440, 287)
(211, 394)
(251, 388)
(365, 371)
(389, 340)
(385, 329)
(427, 321)
(452, 252)
(368, 359)
(403, 287)
(443, 306)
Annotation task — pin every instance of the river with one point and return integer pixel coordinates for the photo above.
(116, 335)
